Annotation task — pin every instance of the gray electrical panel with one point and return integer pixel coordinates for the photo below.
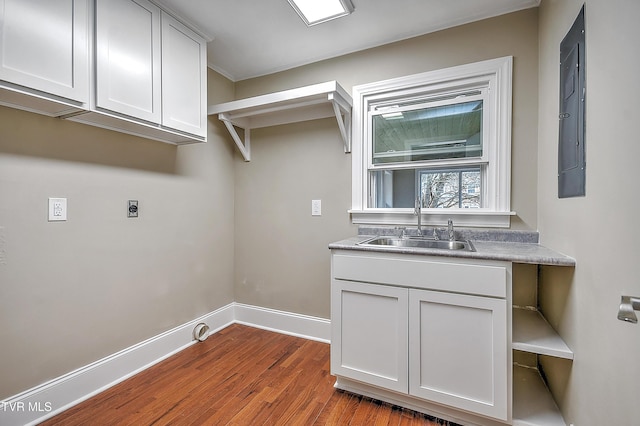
(571, 144)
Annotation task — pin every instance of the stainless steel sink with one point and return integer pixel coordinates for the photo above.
(413, 242)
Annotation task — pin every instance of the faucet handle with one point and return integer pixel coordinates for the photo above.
(402, 229)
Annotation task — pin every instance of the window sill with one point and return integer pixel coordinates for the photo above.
(437, 217)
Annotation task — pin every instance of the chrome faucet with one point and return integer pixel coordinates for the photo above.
(417, 209)
(450, 229)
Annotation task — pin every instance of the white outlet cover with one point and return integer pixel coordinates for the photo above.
(57, 209)
(316, 207)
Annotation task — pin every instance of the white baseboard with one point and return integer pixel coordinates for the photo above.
(298, 325)
(42, 402)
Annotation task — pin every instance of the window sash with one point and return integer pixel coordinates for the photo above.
(448, 131)
(381, 195)
(444, 99)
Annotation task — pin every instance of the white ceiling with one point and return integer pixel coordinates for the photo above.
(250, 38)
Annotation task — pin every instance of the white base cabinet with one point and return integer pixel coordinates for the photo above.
(436, 335)
(397, 325)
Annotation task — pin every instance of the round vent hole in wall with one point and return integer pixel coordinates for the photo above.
(201, 332)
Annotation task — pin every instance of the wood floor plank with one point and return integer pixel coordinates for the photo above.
(333, 409)
(238, 376)
(383, 417)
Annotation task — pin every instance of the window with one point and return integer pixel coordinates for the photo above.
(442, 138)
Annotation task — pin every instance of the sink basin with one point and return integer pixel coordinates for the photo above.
(426, 243)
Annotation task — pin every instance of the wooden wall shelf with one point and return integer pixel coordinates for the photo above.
(313, 102)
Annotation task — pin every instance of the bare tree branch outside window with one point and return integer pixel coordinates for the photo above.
(450, 189)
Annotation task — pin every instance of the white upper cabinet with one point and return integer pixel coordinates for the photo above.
(44, 53)
(150, 74)
(128, 63)
(184, 79)
(123, 65)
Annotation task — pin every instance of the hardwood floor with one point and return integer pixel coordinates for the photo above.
(238, 376)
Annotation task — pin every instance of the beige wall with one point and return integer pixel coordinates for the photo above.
(76, 291)
(281, 257)
(600, 230)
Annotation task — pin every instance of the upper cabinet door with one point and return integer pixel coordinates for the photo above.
(184, 79)
(128, 78)
(44, 46)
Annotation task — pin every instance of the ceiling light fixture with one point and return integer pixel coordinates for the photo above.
(315, 12)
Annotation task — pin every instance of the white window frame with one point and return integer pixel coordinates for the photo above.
(496, 74)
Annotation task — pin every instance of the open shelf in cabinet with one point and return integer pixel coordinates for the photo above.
(532, 333)
(532, 401)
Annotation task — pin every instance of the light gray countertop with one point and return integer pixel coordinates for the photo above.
(518, 252)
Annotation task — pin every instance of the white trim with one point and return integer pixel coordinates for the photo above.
(436, 217)
(497, 75)
(48, 399)
(298, 325)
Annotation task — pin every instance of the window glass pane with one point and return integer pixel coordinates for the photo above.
(449, 131)
(471, 189)
(393, 188)
(450, 188)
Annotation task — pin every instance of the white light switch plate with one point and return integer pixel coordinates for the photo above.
(57, 209)
(316, 207)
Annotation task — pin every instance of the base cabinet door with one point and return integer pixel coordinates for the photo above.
(458, 353)
(369, 334)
